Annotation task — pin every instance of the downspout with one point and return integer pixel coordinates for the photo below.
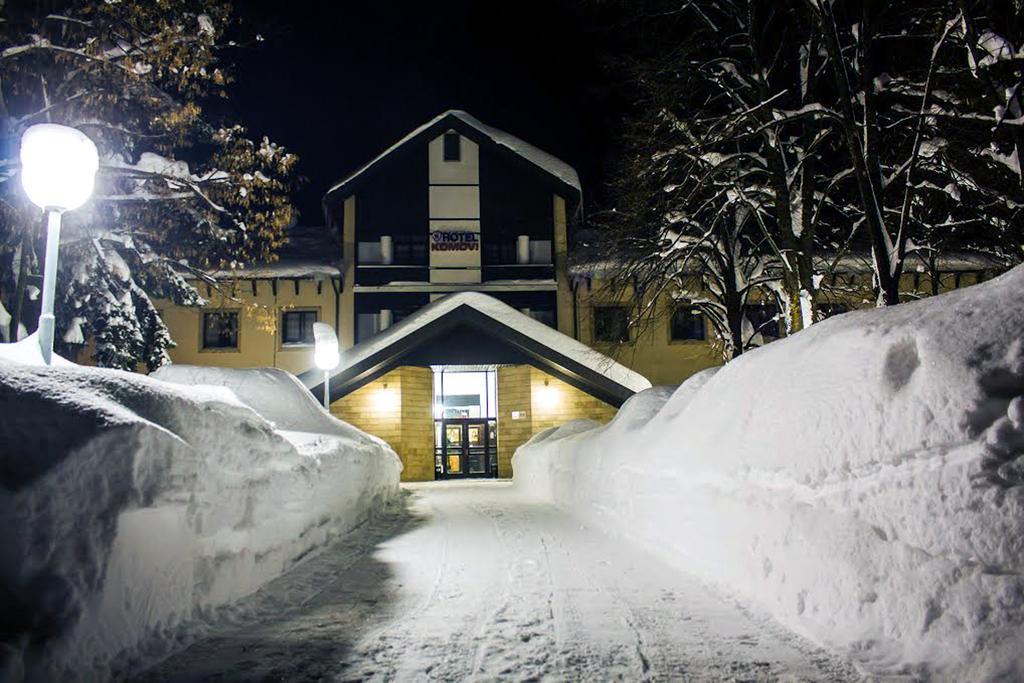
(336, 285)
(575, 287)
(277, 337)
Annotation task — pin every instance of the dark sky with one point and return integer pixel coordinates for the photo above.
(338, 82)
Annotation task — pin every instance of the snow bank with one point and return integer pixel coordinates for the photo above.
(130, 506)
(861, 480)
(276, 395)
(28, 352)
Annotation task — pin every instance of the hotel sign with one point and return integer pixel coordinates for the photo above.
(454, 240)
(455, 251)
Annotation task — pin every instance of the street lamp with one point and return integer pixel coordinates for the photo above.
(58, 171)
(325, 355)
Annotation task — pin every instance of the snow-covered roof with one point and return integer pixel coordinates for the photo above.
(595, 261)
(538, 157)
(589, 369)
(310, 252)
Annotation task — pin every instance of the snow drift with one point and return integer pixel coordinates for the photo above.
(130, 506)
(861, 480)
(276, 395)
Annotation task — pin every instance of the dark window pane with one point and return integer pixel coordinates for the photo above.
(610, 324)
(688, 324)
(220, 330)
(763, 318)
(292, 330)
(508, 253)
(452, 151)
(546, 316)
(297, 327)
(367, 325)
(402, 253)
(308, 318)
(409, 250)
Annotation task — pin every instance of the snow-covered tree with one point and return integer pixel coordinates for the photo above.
(179, 191)
(682, 235)
(927, 99)
(726, 94)
(881, 127)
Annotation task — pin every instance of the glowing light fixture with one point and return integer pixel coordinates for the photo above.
(325, 355)
(58, 173)
(385, 400)
(547, 396)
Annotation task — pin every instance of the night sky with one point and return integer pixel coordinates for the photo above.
(338, 82)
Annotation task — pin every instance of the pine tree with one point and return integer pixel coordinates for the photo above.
(179, 192)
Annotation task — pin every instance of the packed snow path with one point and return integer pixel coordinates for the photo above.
(476, 581)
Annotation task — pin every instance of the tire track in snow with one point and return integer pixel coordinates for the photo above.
(509, 623)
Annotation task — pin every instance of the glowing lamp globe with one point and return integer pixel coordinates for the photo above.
(325, 352)
(58, 166)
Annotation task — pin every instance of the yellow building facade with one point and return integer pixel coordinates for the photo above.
(443, 269)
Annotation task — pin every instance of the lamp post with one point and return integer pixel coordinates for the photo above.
(58, 171)
(325, 355)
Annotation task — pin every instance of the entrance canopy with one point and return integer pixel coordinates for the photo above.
(470, 328)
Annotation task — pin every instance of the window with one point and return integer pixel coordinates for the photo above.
(763, 318)
(687, 324)
(367, 325)
(452, 147)
(829, 310)
(465, 393)
(220, 330)
(297, 327)
(368, 252)
(611, 324)
(410, 250)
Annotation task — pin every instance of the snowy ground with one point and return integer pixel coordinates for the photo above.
(476, 581)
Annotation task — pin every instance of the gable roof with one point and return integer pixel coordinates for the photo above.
(466, 123)
(484, 317)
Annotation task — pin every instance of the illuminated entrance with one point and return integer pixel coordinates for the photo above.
(465, 422)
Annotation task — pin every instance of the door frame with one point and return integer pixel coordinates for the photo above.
(490, 448)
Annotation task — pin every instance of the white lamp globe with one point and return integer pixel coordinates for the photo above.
(58, 166)
(325, 353)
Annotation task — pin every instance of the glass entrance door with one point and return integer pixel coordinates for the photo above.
(469, 448)
(454, 448)
(476, 447)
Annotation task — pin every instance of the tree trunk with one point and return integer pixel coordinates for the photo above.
(733, 303)
(881, 245)
(20, 286)
(734, 314)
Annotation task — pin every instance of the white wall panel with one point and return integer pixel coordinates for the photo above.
(466, 171)
(454, 201)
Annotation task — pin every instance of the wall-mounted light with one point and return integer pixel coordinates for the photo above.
(547, 396)
(385, 400)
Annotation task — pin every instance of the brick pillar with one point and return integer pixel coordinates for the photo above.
(513, 397)
(417, 424)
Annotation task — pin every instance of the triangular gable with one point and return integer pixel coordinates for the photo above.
(479, 132)
(534, 342)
